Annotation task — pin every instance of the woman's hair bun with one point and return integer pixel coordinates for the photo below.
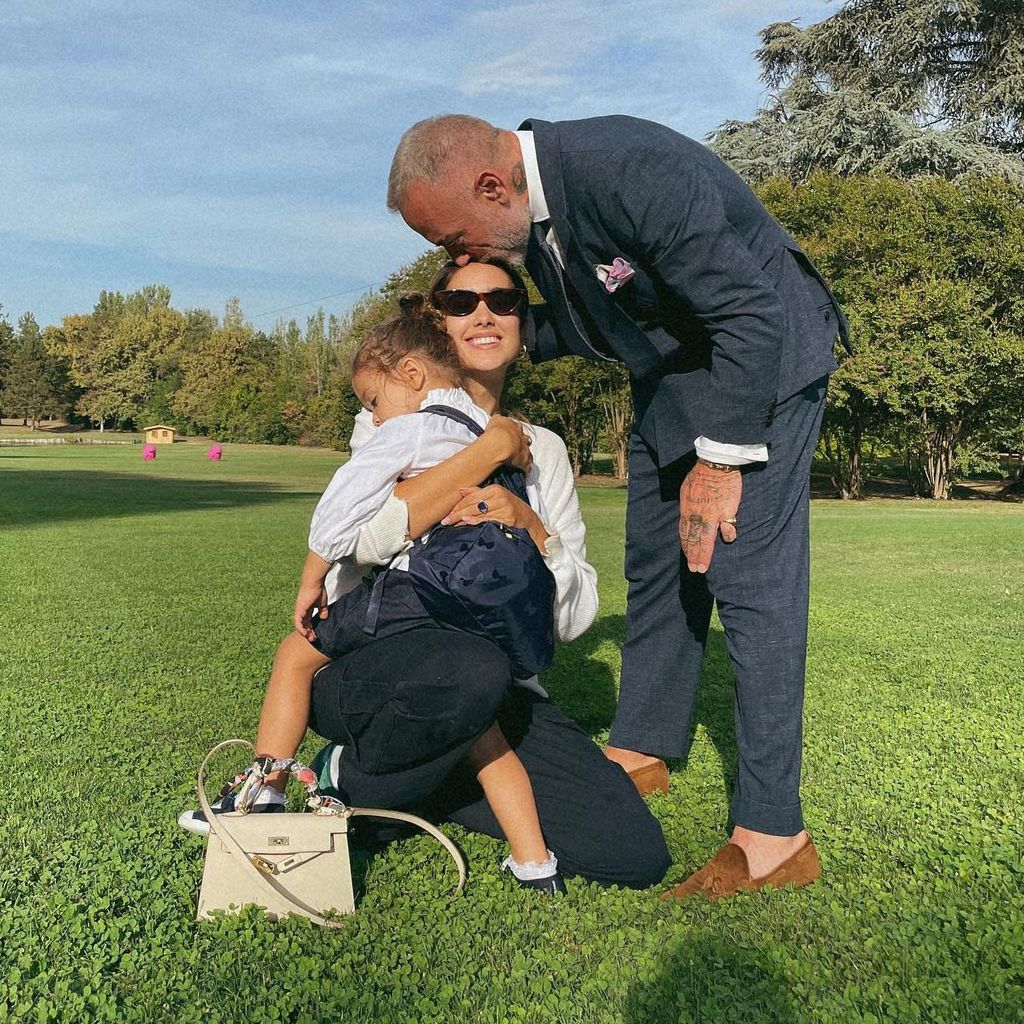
(414, 304)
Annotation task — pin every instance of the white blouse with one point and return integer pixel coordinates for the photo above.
(381, 537)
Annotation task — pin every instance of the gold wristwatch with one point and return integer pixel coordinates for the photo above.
(718, 465)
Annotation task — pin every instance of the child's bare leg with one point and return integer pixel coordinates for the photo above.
(285, 714)
(507, 787)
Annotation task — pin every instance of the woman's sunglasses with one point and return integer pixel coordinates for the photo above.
(500, 301)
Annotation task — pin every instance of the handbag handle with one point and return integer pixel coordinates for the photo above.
(267, 883)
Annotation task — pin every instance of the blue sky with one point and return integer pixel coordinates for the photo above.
(241, 148)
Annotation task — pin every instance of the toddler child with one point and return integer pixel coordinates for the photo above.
(402, 366)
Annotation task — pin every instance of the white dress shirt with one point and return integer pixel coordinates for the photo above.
(714, 451)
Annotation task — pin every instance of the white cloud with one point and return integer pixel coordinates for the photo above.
(254, 139)
(557, 45)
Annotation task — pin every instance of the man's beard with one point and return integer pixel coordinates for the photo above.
(510, 241)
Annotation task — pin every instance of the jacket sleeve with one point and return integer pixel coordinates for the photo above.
(541, 339)
(667, 213)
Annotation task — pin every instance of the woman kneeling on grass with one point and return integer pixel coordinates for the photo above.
(430, 716)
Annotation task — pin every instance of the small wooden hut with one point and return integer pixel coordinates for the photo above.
(159, 434)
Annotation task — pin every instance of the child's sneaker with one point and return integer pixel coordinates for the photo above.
(553, 884)
(195, 820)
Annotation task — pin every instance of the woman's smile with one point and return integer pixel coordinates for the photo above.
(485, 341)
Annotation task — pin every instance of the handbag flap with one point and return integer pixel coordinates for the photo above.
(284, 833)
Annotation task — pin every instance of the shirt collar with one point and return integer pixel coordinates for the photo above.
(534, 189)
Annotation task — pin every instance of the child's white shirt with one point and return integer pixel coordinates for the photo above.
(401, 447)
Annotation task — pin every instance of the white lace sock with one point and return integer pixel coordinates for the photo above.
(532, 869)
(268, 795)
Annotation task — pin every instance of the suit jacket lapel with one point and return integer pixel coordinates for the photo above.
(618, 332)
(541, 263)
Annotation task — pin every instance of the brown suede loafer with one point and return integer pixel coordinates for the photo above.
(727, 873)
(650, 778)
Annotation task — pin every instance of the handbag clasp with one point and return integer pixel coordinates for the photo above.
(269, 867)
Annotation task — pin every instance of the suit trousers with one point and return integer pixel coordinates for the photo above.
(760, 585)
(408, 707)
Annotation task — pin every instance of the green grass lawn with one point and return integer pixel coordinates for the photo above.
(142, 603)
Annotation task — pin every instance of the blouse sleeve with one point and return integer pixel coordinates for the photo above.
(566, 556)
(384, 535)
(363, 486)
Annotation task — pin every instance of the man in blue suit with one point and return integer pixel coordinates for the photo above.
(649, 250)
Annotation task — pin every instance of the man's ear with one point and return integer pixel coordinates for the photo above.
(489, 185)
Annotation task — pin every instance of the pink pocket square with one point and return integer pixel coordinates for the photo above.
(616, 275)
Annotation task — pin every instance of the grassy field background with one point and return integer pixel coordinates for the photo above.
(142, 603)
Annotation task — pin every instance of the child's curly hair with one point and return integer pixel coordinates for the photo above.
(417, 330)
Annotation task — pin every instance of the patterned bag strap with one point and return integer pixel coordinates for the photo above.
(323, 805)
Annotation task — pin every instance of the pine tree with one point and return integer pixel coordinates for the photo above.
(920, 87)
(7, 346)
(30, 388)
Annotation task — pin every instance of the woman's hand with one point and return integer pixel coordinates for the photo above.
(502, 507)
(512, 439)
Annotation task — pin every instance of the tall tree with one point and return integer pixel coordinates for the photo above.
(125, 356)
(908, 87)
(948, 369)
(616, 401)
(929, 273)
(229, 384)
(7, 345)
(32, 388)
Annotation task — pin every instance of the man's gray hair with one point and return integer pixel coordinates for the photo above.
(426, 149)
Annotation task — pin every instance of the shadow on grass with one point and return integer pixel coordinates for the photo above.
(715, 703)
(584, 686)
(709, 979)
(32, 497)
(581, 682)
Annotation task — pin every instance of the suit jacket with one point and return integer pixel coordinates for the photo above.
(725, 317)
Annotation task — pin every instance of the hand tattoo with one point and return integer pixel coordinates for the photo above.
(695, 527)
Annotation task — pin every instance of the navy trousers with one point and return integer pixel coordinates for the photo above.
(408, 708)
(760, 585)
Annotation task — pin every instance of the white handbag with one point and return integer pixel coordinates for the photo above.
(288, 863)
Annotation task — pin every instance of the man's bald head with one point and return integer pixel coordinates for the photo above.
(432, 146)
(460, 182)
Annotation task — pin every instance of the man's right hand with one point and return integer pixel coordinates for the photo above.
(708, 502)
(512, 440)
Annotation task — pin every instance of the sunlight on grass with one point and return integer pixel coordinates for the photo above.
(143, 604)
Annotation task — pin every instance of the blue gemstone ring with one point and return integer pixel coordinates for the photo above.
(481, 506)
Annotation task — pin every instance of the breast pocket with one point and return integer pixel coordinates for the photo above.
(637, 297)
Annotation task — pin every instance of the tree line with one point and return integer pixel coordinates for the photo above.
(891, 147)
(929, 272)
